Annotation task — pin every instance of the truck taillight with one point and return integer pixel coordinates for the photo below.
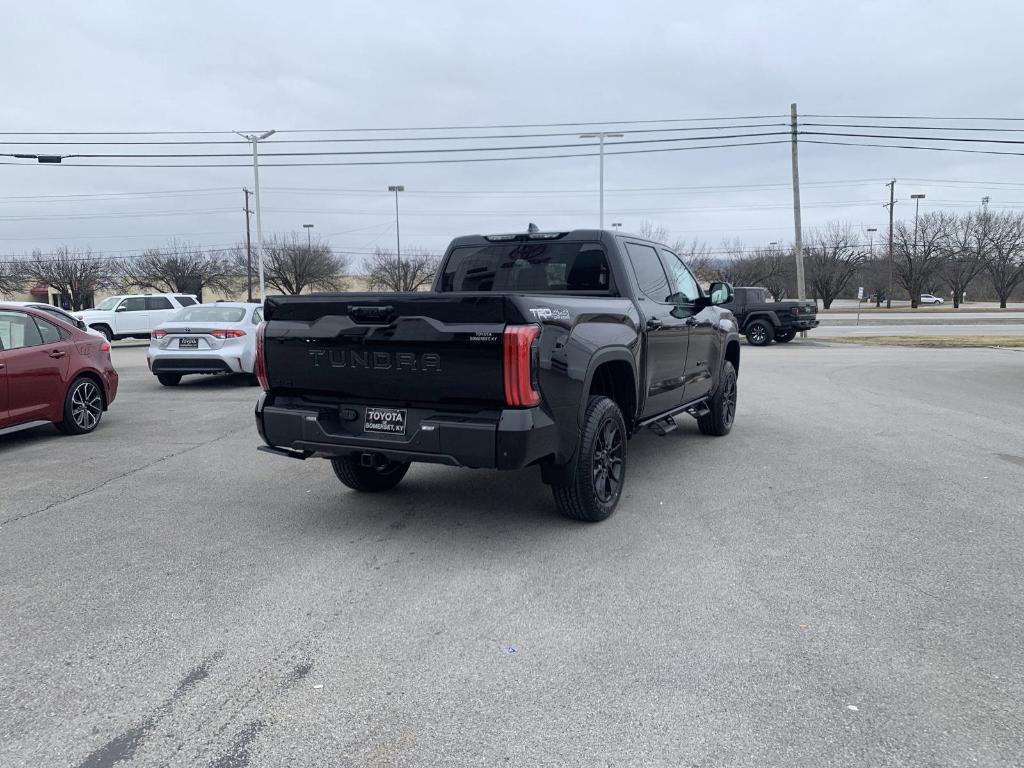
(261, 363)
(520, 391)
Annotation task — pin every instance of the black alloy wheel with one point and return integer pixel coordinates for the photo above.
(608, 461)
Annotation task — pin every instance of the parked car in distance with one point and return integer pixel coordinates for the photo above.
(762, 320)
(205, 338)
(62, 314)
(927, 298)
(544, 349)
(134, 315)
(51, 372)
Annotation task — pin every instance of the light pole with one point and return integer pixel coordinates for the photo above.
(396, 188)
(917, 207)
(601, 136)
(309, 237)
(871, 255)
(616, 225)
(255, 139)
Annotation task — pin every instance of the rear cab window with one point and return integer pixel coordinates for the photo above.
(533, 266)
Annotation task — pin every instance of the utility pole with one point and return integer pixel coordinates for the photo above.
(798, 243)
(891, 205)
(396, 188)
(248, 246)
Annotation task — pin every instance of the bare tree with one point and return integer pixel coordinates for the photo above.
(874, 273)
(181, 267)
(696, 254)
(1005, 262)
(964, 252)
(416, 268)
(76, 274)
(782, 276)
(291, 266)
(754, 268)
(833, 257)
(916, 263)
(11, 278)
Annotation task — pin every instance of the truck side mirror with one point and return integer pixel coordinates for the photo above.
(720, 293)
(121, 308)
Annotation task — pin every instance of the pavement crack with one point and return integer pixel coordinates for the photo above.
(122, 475)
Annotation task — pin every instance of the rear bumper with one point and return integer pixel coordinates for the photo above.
(804, 325)
(194, 364)
(498, 439)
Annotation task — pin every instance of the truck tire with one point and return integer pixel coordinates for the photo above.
(785, 336)
(722, 408)
(760, 333)
(169, 379)
(105, 330)
(369, 479)
(591, 485)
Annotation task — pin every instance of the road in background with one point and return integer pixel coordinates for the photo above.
(835, 583)
(913, 329)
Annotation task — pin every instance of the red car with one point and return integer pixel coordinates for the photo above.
(51, 373)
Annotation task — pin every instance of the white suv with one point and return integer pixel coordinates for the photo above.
(119, 317)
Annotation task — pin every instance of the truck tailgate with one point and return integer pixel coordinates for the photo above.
(389, 348)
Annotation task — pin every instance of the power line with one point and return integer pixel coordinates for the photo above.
(364, 152)
(441, 161)
(916, 117)
(379, 140)
(911, 146)
(916, 127)
(967, 139)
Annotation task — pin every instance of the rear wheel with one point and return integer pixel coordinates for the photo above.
(83, 407)
(381, 477)
(592, 484)
(760, 333)
(169, 379)
(786, 336)
(722, 408)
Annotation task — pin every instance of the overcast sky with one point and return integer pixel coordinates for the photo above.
(318, 65)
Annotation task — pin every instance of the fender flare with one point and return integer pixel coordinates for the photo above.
(612, 354)
(768, 315)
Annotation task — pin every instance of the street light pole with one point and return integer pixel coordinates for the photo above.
(601, 136)
(309, 237)
(917, 207)
(396, 188)
(871, 255)
(255, 139)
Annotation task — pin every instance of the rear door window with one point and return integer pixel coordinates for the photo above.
(534, 266)
(158, 302)
(185, 301)
(18, 330)
(650, 274)
(49, 332)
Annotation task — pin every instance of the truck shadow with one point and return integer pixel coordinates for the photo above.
(494, 503)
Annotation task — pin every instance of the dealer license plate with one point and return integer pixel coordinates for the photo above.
(390, 421)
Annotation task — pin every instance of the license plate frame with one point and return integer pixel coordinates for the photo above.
(188, 342)
(381, 420)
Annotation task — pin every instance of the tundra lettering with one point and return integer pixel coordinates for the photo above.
(377, 361)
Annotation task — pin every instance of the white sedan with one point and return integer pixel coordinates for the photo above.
(206, 338)
(927, 298)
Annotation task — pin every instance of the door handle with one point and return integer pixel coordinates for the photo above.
(57, 354)
(653, 323)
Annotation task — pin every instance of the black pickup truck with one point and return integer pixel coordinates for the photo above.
(762, 320)
(546, 349)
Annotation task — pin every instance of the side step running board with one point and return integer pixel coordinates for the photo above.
(696, 409)
(662, 427)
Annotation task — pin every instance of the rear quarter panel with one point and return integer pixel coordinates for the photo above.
(577, 335)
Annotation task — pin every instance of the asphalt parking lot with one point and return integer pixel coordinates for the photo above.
(838, 582)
